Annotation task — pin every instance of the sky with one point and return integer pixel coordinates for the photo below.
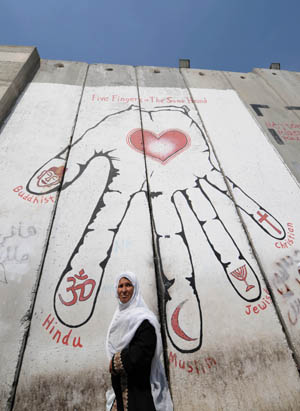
(231, 35)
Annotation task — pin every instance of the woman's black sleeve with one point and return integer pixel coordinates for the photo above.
(141, 349)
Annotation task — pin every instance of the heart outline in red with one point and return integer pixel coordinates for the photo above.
(177, 141)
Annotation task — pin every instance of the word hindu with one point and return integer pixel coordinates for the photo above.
(262, 305)
(57, 335)
(115, 98)
(289, 241)
(198, 367)
(33, 199)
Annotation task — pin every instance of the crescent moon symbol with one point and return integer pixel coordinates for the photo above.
(175, 323)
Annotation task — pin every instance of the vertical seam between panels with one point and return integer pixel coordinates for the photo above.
(156, 258)
(264, 132)
(28, 315)
(248, 236)
(275, 91)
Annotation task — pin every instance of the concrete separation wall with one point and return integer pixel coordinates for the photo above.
(176, 176)
(43, 121)
(17, 67)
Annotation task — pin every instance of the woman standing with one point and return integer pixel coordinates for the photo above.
(134, 348)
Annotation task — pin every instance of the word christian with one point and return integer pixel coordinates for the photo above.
(196, 366)
(262, 305)
(289, 241)
(33, 199)
(115, 98)
(58, 336)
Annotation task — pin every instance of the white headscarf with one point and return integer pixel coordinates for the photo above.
(126, 320)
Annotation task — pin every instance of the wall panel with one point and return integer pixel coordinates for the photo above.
(102, 227)
(214, 289)
(187, 178)
(41, 124)
(267, 199)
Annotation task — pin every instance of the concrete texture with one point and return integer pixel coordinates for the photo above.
(159, 77)
(61, 72)
(175, 175)
(112, 233)
(271, 96)
(268, 108)
(43, 119)
(205, 79)
(17, 67)
(110, 75)
(194, 217)
(265, 209)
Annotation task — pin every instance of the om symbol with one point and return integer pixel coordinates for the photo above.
(73, 288)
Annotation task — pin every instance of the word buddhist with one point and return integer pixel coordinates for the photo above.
(33, 199)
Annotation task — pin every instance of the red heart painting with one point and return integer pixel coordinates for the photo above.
(162, 147)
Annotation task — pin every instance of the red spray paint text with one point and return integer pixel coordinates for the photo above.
(261, 306)
(115, 98)
(289, 131)
(290, 238)
(58, 336)
(199, 367)
(22, 193)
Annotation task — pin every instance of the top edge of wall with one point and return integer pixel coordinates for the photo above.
(16, 49)
(18, 66)
(163, 77)
(61, 72)
(110, 75)
(256, 69)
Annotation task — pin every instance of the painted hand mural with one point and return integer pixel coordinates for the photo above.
(182, 173)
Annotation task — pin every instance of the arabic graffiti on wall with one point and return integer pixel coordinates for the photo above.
(12, 250)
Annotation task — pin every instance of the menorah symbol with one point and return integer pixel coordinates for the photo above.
(241, 275)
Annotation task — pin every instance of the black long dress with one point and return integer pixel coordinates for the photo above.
(131, 371)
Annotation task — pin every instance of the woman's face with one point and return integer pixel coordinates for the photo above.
(125, 290)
